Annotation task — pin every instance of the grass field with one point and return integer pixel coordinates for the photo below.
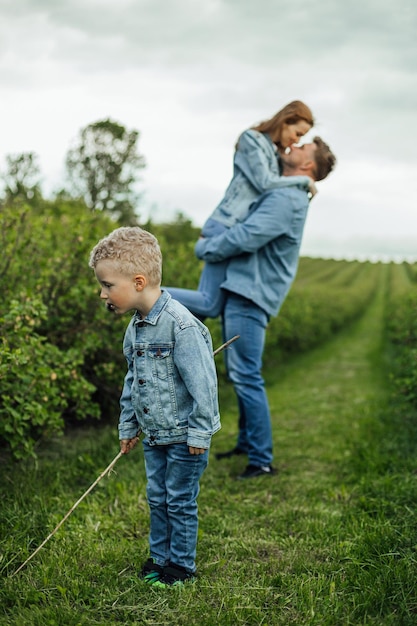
(331, 540)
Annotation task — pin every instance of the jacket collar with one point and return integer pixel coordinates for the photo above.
(156, 310)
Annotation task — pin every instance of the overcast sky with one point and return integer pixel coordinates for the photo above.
(191, 75)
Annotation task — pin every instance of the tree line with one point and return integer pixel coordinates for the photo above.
(102, 169)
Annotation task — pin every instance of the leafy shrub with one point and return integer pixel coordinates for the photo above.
(39, 382)
(55, 330)
(61, 353)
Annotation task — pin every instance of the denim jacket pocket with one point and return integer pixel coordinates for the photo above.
(161, 360)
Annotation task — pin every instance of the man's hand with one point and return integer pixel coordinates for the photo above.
(193, 450)
(126, 445)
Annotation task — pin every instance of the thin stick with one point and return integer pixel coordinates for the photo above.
(225, 345)
(108, 468)
(91, 487)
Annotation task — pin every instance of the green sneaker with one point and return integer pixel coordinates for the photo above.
(151, 572)
(174, 576)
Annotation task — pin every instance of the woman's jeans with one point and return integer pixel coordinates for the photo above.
(208, 299)
(173, 476)
(244, 363)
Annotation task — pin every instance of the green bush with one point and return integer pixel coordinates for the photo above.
(55, 329)
(61, 352)
(39, 382)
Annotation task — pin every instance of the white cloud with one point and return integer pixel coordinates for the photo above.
(191, 75)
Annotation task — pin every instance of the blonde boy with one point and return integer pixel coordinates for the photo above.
(169, 394)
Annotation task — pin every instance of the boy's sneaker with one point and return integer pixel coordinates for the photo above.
(174, 576)
(254, 470)
(151, 572)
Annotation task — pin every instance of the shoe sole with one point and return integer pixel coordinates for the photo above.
(255, 475)
(151, 578)
(228, 455)
(178, 583)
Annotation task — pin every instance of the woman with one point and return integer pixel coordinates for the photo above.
(256, 169)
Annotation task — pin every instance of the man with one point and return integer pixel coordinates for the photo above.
(263, 253)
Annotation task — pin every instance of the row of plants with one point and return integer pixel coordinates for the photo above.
(316, 309)
(340, 272)
(401, 324)
(411, 270)
(325, 298)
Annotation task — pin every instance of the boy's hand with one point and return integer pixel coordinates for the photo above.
(196, 450)
(126, 445)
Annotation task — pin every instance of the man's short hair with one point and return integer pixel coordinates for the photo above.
(324, 158)
(133, 250)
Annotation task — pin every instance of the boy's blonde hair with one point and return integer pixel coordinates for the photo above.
(133, 250)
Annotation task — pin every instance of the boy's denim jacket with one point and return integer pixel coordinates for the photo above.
(170, 389)
(255, 170)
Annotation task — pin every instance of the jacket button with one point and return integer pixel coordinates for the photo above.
(139, 353)
(145, 409)
(141, 381)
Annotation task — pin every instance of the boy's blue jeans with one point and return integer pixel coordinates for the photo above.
(244, 364)
(173, 476)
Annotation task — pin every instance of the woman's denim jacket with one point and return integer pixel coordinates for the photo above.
(255, 170)
(170, 389)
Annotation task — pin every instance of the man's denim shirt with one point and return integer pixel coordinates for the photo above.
(255, 170)
(170, 389)
(263, 250)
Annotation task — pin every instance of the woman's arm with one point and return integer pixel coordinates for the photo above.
(270, 218)
(257, 160)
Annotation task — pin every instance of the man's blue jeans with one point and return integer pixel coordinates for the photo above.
(173, 476)
(244, 364)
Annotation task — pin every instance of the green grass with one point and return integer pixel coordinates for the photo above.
(330, 541)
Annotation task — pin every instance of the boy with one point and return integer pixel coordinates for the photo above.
(169, 394)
